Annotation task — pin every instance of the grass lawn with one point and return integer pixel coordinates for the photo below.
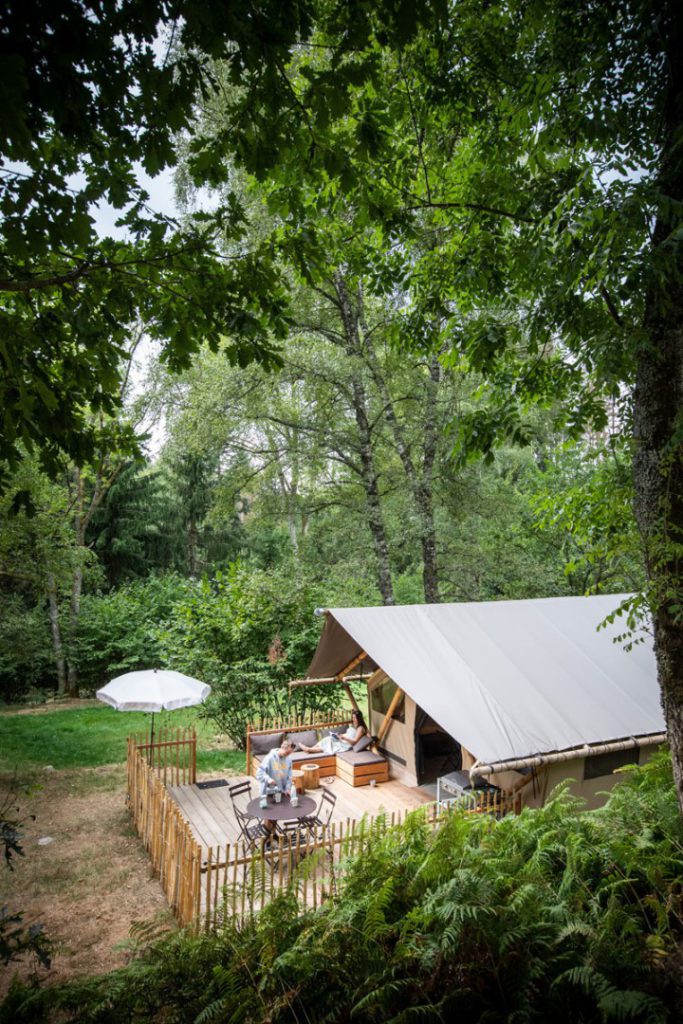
(86, 737)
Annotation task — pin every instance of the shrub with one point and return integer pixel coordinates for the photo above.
(26, 657)
(119, 632)
(247, 632)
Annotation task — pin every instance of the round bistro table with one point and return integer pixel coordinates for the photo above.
(282, 811)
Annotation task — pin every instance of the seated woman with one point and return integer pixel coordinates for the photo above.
(334, 744)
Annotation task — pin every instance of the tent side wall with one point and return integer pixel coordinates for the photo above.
(398, 744)
(591, 790)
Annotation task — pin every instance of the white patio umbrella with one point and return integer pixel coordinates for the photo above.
(153, 689)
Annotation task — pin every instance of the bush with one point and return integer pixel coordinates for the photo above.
(26, 657)
(119, 632)
(247, 632)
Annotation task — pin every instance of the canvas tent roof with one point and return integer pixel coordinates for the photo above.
(507, 679)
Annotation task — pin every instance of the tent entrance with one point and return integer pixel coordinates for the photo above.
(436, 751)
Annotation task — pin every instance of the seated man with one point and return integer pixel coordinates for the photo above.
(275, 771)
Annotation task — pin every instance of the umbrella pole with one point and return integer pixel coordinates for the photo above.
(151, 742)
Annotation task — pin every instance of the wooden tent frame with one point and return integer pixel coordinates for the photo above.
(344, 677)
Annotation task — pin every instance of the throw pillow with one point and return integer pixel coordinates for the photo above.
(265, 742)
(308, 738)
(363, 743)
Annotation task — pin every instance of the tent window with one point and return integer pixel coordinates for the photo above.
(380, 699)
(605, 764)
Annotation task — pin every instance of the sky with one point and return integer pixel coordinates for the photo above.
(161, 191)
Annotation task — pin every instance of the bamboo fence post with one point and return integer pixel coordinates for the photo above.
(234, 880)
(332, 851)
(243, 893)
(207, 887)
(314, 872)
(197, 886)
(305, 873)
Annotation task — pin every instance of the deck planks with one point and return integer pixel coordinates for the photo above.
(210, 816)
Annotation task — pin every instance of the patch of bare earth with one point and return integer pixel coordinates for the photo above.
(91, 883)
(53, 705)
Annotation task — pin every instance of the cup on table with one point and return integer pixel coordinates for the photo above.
(278, 796)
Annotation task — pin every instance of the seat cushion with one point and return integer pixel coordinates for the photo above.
(353, 757)
(300, 757)
(265, 742)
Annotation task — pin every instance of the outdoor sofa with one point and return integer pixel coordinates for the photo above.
(357, 767)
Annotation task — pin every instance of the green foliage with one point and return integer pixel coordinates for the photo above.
(499, 177)
(247, 632)
(588, 493)
(136, 529)
(119, 632)
(558, 914)
(83, 109)
(18, 940)
(26, 659)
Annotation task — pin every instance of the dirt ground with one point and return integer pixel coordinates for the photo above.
(53, 705)
(91, 882)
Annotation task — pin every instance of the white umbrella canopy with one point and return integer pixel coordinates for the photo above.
(153, 690)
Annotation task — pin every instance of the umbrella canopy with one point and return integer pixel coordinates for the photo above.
(153, 690)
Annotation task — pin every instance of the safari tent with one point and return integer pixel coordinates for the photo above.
(520, 693)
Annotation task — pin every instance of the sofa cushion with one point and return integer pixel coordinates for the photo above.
(363, 743)
(309, 738)
(265, 742)
(300, 756)
(362, 757)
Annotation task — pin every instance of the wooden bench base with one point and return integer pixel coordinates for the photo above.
(362, 774)
(330, 764)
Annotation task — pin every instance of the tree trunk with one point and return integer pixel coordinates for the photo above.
(192, 548)
(289, 489)
(658, 418)
(421, 483)
(57, 646)
(82, 515)
(80, 523)
(425, 495)
(369, 476)
(74, 612)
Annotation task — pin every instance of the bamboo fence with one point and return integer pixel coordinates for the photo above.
(176, 856)
(206, 887)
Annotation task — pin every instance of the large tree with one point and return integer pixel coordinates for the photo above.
(523, 165)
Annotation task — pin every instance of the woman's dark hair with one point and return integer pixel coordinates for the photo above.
(359, 718)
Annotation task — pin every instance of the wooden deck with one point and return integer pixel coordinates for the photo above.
(209, 813)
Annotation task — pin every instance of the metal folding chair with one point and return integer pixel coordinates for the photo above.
(321, 818)
(294, 836)
(251, 829)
